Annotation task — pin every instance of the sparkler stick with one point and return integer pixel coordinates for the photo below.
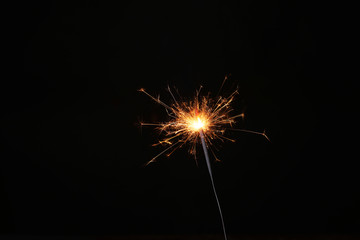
(202, 119)
(212, 180)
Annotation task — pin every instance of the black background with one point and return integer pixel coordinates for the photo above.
(72, 151)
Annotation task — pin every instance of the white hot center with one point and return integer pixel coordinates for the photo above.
(197, 124)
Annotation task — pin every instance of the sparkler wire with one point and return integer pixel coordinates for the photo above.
(212, 180)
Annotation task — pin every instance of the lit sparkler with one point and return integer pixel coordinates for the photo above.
(201, 120)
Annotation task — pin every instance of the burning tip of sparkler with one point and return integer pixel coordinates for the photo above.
(197, 124)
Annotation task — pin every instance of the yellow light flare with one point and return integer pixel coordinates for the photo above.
(197, 124)
(189, 118)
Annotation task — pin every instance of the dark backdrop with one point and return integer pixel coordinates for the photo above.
(72, 153)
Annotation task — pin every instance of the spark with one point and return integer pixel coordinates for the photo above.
(187, 119)
(201, 120)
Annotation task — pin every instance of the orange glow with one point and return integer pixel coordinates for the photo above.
(189, 118)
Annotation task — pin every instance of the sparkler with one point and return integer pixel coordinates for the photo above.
(201, 120)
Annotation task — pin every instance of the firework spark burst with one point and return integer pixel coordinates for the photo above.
(212, 117)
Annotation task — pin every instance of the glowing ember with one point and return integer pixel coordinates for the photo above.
(197, 124)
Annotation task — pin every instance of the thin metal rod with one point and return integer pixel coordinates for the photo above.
(212, 180)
